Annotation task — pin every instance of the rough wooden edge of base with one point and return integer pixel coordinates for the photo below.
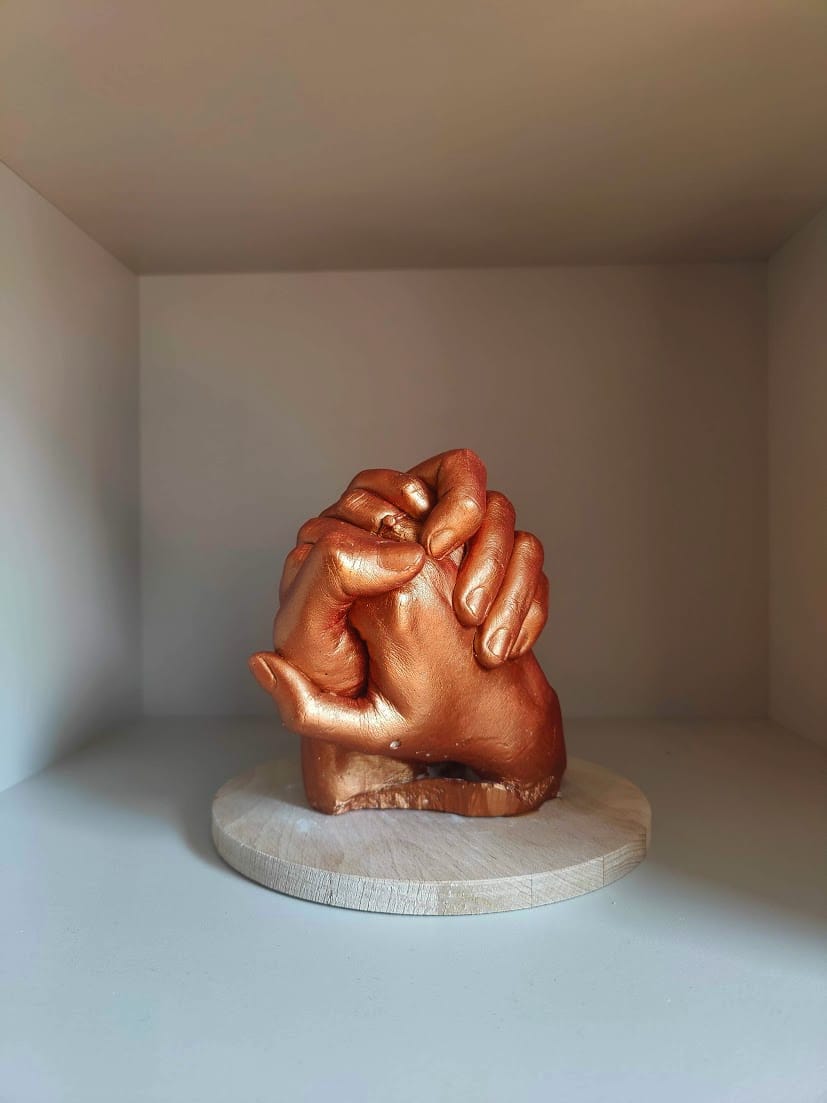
(480, 897)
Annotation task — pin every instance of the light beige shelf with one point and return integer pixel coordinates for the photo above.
(136, 965)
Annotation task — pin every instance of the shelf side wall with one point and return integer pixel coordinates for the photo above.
(69, 485)
(798, 481)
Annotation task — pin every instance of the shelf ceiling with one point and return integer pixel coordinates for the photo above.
(189, 135)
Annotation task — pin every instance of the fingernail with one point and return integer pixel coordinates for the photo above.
(261, 672)
(394, 556)
(476, 602)
(441, 542)
(500, 643)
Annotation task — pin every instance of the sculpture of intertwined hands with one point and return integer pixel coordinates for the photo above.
(403, 643)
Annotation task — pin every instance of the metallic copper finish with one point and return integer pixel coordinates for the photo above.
(403, 648)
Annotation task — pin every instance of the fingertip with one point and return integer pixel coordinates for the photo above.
(483, 654)
(461, 612)
(262, 670)
(494, 648)
(417, 497)
(401, 557)
(442, 542)
(533, 625)
(294, 694)
(451, 524)
(530, 549)
(471, 606)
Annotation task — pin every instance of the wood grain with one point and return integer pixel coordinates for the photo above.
(422, 863)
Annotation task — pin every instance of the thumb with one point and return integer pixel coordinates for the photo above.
(346, 563)
(351, 722)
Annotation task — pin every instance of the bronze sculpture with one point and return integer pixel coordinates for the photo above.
(403, 641)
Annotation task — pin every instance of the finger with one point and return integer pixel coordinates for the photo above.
(458, 478)
(356, 723)
(343, 563)
(403, 490)
(374, 514)
(498, 633)
(319, 528)
(292, 566)
(333, 564)
(535, 620)
(483, 569)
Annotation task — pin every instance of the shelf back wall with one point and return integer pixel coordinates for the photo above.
(624, 410)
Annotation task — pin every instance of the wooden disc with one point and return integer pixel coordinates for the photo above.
(426, 863)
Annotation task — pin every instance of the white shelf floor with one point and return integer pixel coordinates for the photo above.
(136, 966)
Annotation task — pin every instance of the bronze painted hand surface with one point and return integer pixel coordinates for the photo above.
(408, 671)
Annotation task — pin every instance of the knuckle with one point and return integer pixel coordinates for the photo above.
(497, 566)
(355, 500)
(332, 550)
(327, 544)
(512, 609)
(364, 476)
(470, 506)
(295, 557)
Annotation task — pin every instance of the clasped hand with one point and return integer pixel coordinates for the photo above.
(403, 640)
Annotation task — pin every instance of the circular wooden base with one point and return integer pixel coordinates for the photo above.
(426, 863)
